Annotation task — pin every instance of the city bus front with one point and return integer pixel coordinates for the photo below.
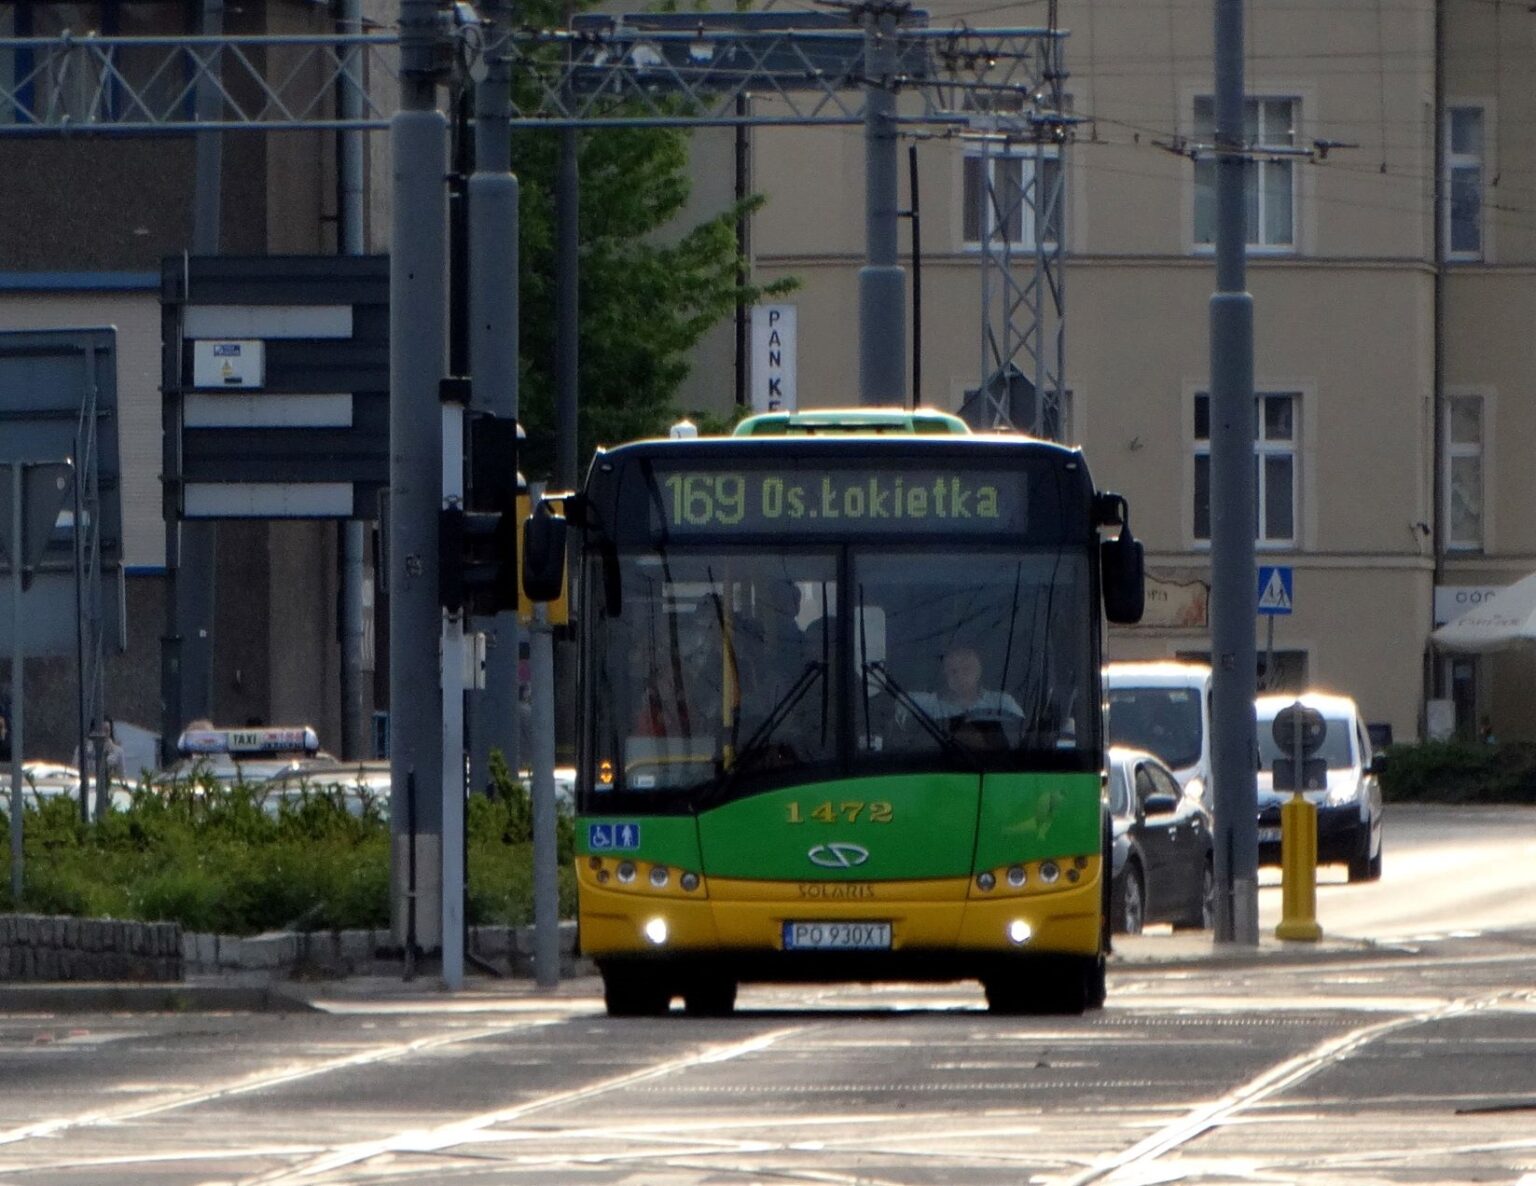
(841, 720)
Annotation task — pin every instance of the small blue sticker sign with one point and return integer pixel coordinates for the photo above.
(615, 837)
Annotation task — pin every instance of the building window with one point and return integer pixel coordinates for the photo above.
(1464, 472)
(1462, 179)
(1268, 184)
(1274, 442)
(140, 83)
(1004, 209)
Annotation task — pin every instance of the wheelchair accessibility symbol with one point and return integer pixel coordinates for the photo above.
(622, 837)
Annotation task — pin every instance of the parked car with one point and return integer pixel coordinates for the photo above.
(1165, 709)
(245, 756)
(360, 787)
(1163, 868)
(1349, 807)
(52, 780)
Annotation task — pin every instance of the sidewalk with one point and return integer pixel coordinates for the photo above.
(253, 993)
(1194, 949)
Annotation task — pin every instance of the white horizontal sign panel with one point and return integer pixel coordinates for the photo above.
(228, 363)
(267, 411)
(268, 500)
(267, 321)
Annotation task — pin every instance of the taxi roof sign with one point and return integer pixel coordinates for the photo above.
(300, 739)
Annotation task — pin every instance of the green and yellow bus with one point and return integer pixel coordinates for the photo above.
(841, 714)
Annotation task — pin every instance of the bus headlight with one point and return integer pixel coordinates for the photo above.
(626, 872)
(656, 930)
(659, 876)
(1050, 872)
(1016, 875)
(689, 881)
(1019, 931)
(985, 881)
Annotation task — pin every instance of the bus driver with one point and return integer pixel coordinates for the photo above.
(963, 695)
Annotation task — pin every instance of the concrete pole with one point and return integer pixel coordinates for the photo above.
(192, 548)
(351, 241)
(452, 650)
(882, 282)
(546, 904)
(493, 353)
(1233, 576)
(567, 382)
(418, 346)
(18, 687)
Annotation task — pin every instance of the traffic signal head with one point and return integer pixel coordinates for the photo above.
(477, 561)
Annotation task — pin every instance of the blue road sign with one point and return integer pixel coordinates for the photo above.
(619, 837)
(1275, 589)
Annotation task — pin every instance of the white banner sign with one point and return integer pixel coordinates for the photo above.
(773, 359)
(1451, 601)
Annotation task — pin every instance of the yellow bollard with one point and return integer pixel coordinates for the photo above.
(1298, 871)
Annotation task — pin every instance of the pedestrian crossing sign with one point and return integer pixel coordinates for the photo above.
(1274, 589)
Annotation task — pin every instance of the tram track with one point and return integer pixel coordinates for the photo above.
(1275, 1080)
(261, 1081)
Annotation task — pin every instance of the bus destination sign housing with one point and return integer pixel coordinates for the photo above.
(864, 499)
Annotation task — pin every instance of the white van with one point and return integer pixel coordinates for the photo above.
(1164, 707)
(1349, 807)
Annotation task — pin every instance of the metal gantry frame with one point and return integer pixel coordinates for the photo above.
(883, 69)
(1001, 86)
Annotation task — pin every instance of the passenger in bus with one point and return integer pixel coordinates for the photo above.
(770, 651)
(662, 712)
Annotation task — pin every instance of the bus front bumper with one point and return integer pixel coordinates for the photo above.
(947, 924)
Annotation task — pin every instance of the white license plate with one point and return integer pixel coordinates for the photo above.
(837, 936)
(1269, 835)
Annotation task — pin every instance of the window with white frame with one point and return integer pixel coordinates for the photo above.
(1269, 184)
(1462, 181)
(1004, 208)
(141, 81)
(1275, 439)
(1463, 481)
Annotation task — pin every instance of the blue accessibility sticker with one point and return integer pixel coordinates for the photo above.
(615, 837)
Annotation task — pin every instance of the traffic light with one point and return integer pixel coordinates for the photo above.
(477, 561)
(477, 539)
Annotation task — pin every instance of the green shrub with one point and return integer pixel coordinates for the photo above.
(1460, 772)
(213, 859)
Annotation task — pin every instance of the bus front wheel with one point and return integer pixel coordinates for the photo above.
(1064, 986)
(711, 996)
(634, 992)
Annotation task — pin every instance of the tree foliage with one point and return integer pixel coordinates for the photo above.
(646, 294)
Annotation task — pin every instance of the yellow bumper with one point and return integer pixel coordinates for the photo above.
(749, 916)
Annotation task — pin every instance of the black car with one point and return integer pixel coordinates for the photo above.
(1163, 867)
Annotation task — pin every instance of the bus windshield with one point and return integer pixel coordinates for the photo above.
(725, 669)
(709, 667)
(972, 652)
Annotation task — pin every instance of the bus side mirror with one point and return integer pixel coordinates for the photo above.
(1122, 567)
(544, 538)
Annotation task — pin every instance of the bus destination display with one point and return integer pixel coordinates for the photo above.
(861, 500)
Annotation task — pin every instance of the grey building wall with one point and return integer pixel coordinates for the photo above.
(121, 206)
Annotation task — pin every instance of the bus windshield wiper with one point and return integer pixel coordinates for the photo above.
(758, 743)
(890, 687)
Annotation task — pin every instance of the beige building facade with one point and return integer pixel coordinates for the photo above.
(1393, 367)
